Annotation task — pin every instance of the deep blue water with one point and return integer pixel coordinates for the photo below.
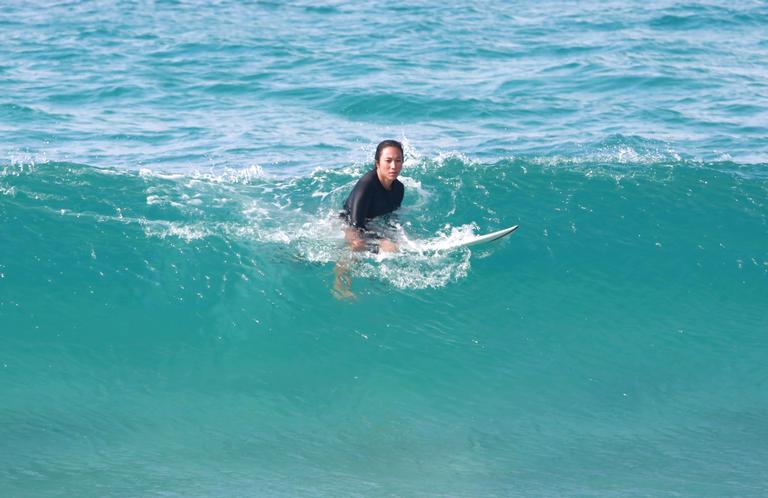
(170, 174)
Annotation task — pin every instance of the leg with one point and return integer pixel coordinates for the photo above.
(387, 246)
(342, 285)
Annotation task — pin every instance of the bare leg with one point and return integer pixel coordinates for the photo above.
(342, 286)
(387, 246)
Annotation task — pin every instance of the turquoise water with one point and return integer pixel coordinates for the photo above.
(169, 178)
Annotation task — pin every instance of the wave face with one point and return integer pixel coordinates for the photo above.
(139, 308)
(170, 179)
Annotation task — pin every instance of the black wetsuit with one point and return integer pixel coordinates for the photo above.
(369, 199)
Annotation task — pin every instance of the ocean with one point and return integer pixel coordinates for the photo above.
(171, 174)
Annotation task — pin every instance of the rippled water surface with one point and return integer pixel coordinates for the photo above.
(170, 174)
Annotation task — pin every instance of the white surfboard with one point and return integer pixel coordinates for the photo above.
(453, 243)
(489, 237)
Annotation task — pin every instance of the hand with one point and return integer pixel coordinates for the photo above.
(355, 241)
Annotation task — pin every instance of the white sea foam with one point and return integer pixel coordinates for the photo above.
(231, 175)
(163, 230)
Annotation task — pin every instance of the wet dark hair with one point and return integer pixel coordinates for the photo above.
(388, 143)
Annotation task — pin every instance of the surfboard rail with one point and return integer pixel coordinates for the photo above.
(448, 245)
(482, 239)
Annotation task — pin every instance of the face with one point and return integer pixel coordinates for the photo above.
(390, 163)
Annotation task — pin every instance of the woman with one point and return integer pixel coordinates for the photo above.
(377, 193)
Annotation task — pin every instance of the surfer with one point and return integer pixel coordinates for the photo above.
(377, 193)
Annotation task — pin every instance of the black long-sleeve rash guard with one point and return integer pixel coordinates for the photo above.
(369, 199)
